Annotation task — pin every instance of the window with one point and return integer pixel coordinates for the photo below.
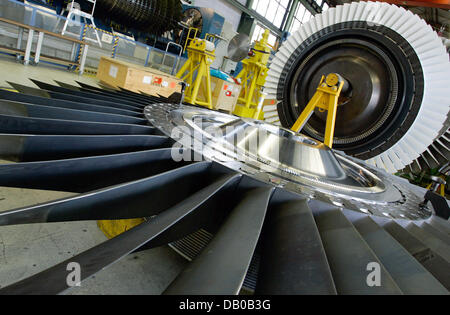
(272, 10)
(257, 32)
(301, 16)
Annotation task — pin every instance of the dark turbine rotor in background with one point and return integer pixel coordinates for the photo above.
(392, 115)
(153, 16)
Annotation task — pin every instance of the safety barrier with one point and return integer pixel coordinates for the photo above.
(113, 44)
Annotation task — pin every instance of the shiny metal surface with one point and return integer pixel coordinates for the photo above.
(289, 160)
(238, 47)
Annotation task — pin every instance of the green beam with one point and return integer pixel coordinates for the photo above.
(312, 6)
(290, 17)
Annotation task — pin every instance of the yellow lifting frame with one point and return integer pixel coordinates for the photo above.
(325, 98)
(188, 37)
(253, 77)
(441, 187)
(197, 69)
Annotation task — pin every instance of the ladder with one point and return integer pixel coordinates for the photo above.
(75, 10)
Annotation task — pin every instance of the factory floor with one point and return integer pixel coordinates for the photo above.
(28, 249)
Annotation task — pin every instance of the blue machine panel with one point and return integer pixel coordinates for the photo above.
(212, 22)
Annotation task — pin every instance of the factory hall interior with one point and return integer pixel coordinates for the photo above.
(247, 148)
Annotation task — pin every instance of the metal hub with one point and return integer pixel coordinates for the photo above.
(368, 103)
(286, 159)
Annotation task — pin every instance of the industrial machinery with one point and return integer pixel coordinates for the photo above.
(141, 19)
(155, 16)
(238, 47)
(197, 22)
(253, 77)
(196, 71)
(256, 207)
(192, 17)
(397, 69)
(205, 20)
(199, 36)
(326, 98)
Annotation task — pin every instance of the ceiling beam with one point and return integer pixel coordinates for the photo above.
(290, 17)
(443, 4)
(312, 6)
(289, 11)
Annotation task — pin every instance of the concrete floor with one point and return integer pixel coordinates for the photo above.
(28, 249)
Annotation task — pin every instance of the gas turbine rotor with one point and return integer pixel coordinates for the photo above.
(288, 160)
(256, 225)
(398, 70)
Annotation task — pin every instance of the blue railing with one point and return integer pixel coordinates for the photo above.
(32, 22)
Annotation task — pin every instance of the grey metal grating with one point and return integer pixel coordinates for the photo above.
(190, 247)
(252, 273)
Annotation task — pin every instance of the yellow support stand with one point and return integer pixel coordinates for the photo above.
(196, 72)
(438, 186)
(325, 98)
(253, 77)
(112, 228)
(188, 37)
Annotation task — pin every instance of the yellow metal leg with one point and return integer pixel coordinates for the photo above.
(197, 83)
(183, 69)
(208, 89)
(307, 112)
(325, 98)
(331, 119)
(251, 91)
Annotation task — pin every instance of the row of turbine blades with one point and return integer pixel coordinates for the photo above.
(96, 143)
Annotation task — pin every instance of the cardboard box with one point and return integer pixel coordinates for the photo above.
(224, 94)
(136, 78)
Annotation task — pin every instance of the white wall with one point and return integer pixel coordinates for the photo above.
(222, 7)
